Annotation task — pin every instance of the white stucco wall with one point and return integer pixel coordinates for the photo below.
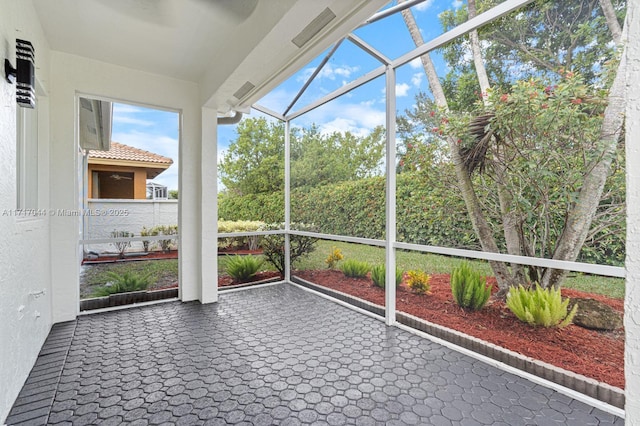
(632, 299)
(127, 215)
(25, 305)
(73, 76)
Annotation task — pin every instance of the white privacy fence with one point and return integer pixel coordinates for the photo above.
(103, 217)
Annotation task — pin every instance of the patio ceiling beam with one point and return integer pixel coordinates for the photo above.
(472, 24)
(268, 112)
(313, 76)
(392, 10)
(341, 91)
(368, 48)
(605, 270)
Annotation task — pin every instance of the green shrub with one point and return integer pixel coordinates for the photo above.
(355, 268)
(540, 307)
(229, 226)
(273, 245)
(145, 233)
(378, 275)
(418, 281)
(241, 268)
(469, 289)
(123, 283)
(121, 246)
(165, 245)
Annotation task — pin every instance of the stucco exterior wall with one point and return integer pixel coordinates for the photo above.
(73, 76)
(632, 298)
(25, 305)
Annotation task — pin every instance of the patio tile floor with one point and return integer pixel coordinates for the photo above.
(275, 355)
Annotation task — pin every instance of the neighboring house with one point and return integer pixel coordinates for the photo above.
(122, 171)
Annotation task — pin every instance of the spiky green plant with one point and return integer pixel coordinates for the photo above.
(355, 268)
(123, 283)
(469, 288)
(241, 268)
(378, 275)
(540, 307)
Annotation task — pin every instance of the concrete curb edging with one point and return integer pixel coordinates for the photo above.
(577, 382)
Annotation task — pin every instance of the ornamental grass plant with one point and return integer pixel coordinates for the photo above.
(540, 307)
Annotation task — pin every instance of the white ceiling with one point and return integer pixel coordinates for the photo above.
(219, 44)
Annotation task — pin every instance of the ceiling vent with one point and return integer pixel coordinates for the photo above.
(242, 92)
(314, 27)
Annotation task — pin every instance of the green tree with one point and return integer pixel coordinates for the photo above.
(479, 142)
(321, 159)
(539, 40)
(254, 162)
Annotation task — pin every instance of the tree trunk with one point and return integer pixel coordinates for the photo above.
(612, 20)
(479, 222)
(510, 221)
(481, 71)
(579, 218)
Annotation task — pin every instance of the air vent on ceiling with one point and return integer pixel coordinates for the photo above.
(314, 27)
(242, 92)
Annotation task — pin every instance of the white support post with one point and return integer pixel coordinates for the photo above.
(287, 200)
(209, 207)
(390, 286)
(632, 261)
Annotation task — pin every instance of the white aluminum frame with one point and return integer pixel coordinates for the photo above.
(388, 69)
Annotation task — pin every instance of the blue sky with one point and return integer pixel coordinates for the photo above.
(358, 112)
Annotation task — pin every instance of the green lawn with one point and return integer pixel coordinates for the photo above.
(164, 271)
(437, 264)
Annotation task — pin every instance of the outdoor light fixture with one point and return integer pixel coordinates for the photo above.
(24, 74)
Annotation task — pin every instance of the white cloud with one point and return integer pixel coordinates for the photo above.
(457, 4)
(123, 119)
(125, 114)
(402, 89)
(416, 79)
(421, 7)
(357, 118)
(329, 72)
(416, 63)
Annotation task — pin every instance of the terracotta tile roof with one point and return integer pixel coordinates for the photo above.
(120, 151)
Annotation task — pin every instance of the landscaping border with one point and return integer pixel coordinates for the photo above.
(577, 382)
(130, 298)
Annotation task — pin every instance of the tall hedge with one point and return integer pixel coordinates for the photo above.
(268, 208)
(426, 214)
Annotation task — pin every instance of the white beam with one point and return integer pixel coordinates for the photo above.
(287, 200)
(390, 210)
(209, 207)
(632, 262)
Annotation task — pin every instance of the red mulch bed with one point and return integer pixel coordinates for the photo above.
(595, 354)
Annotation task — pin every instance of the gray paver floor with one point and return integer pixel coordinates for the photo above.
(277, 356)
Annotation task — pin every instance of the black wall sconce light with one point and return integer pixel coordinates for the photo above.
(24, 74)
